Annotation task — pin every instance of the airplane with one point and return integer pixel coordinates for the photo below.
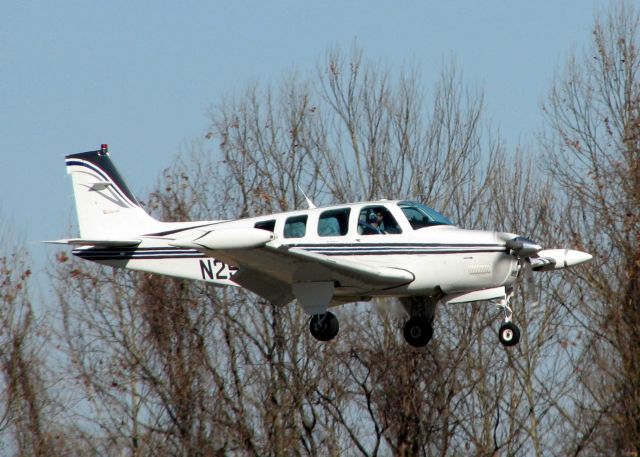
(320, 256)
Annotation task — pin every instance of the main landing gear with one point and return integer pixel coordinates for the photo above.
(324, 327)
(509, 333)
(418, 330)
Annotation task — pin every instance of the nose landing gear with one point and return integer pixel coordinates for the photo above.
(509, 333)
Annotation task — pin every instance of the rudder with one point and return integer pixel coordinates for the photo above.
(105, 206)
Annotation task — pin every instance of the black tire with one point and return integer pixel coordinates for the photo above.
(509, 334)
(324, 327)
(418, 331)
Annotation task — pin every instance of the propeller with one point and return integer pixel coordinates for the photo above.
(523, 247)
(525, 250)
(531, 257)
(542, 260)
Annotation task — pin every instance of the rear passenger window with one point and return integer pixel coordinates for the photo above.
(334, 222)
(295, 227)
(266, 225)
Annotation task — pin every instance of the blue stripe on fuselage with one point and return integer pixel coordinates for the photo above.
(329, 250)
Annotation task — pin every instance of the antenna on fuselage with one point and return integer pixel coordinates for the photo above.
(309, 202)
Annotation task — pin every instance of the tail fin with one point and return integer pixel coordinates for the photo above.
(106, 207)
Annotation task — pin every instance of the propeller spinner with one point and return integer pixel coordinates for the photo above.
(543, 260)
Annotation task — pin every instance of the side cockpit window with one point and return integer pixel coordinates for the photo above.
(377, 220)
(334, 222)
(295, 227)
(269, 225)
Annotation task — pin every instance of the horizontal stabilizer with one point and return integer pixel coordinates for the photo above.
(87, 242)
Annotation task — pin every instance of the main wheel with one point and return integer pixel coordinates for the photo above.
(509, 334)
(418, 331)
(324, 327)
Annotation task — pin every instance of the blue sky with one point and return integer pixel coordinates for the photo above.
(141, 75)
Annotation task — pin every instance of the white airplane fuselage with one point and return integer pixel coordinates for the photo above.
(441, 258)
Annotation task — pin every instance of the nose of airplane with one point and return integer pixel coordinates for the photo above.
(578, 257)
(542, 259)
(562, 258)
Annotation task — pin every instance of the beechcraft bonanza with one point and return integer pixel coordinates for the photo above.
(321, 257)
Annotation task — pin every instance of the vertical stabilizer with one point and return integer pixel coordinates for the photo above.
(106, 207)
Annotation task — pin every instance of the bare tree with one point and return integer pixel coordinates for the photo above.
(168, 367)
(380, 138)
(594, 112)
(369, 137)
(25, 407)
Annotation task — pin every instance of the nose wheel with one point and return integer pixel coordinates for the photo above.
(509, 333)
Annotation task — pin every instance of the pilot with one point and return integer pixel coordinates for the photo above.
(376, 221)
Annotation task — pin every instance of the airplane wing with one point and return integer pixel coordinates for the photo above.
(326, 268)
(284, 265)
(270, 269)
(268, 287)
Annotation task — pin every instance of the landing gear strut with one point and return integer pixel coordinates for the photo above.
(324, 327)
(509, 333)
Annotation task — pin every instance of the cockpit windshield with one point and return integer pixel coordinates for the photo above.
(420, 216)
